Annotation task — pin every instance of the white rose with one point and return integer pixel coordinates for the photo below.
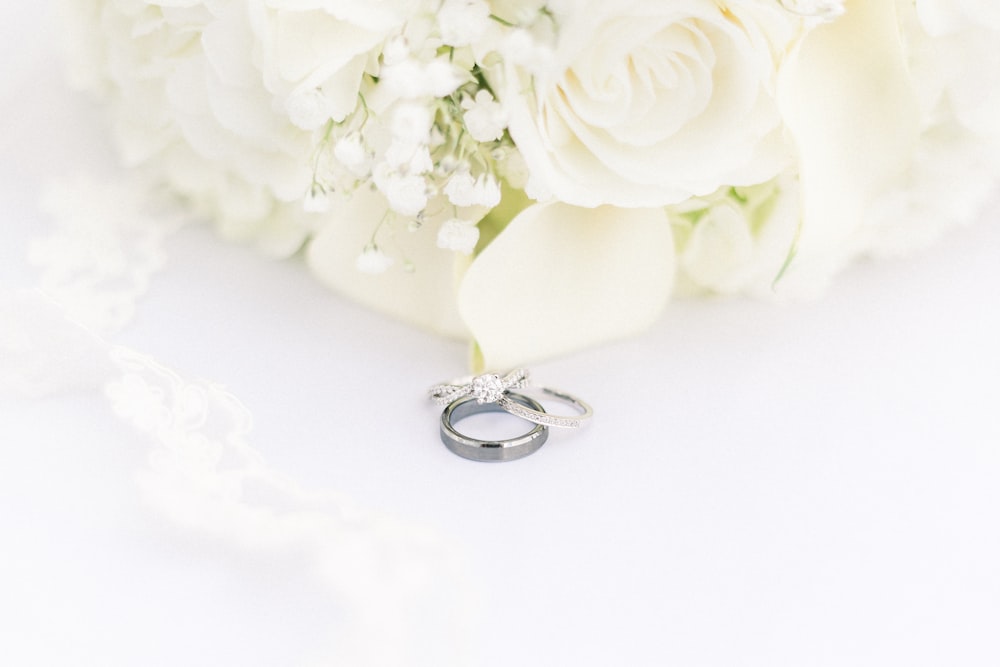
(651, 102)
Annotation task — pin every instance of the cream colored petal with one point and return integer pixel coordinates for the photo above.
(425, 297)
(848, 101)
(560, 278)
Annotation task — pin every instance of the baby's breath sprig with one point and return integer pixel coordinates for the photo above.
(428, 134)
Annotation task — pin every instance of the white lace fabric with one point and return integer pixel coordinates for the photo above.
(202, 472)
(105, 246)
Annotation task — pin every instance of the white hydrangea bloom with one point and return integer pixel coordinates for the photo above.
(223, 99)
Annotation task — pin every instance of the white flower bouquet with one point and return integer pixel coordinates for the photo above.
(542, 176)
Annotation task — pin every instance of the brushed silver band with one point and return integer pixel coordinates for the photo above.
(491, 450)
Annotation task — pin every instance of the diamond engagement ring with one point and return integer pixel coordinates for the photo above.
(487, 388)
(489, 450)
(494, 389)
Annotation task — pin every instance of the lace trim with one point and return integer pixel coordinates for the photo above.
(204, 476)
(404, 587)
(106, 244)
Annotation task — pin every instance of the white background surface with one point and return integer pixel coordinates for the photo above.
(809, 484)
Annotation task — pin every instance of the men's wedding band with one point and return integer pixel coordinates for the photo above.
(491, 450)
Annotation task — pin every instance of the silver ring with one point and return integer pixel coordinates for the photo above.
(490, 450)
(487, 388)
(540, 416)
(492, 388)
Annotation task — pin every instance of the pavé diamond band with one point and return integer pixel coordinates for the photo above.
(544, 418)
(487, 388)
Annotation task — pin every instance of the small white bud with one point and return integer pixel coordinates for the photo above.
(463, 190)
(372, 260)
(412, 122)
(317, 199)
(402, 79)
(536, 189)
(460, 186)
(421, 162)
(350, 151)
(406, 193)
(443, 78)
(458, 235)
(396, 50)
(409, 158)
(484, 118)
(410, 79)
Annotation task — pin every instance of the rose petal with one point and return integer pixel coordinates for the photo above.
(560, 278)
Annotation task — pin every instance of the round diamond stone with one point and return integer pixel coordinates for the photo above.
(487, 388)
